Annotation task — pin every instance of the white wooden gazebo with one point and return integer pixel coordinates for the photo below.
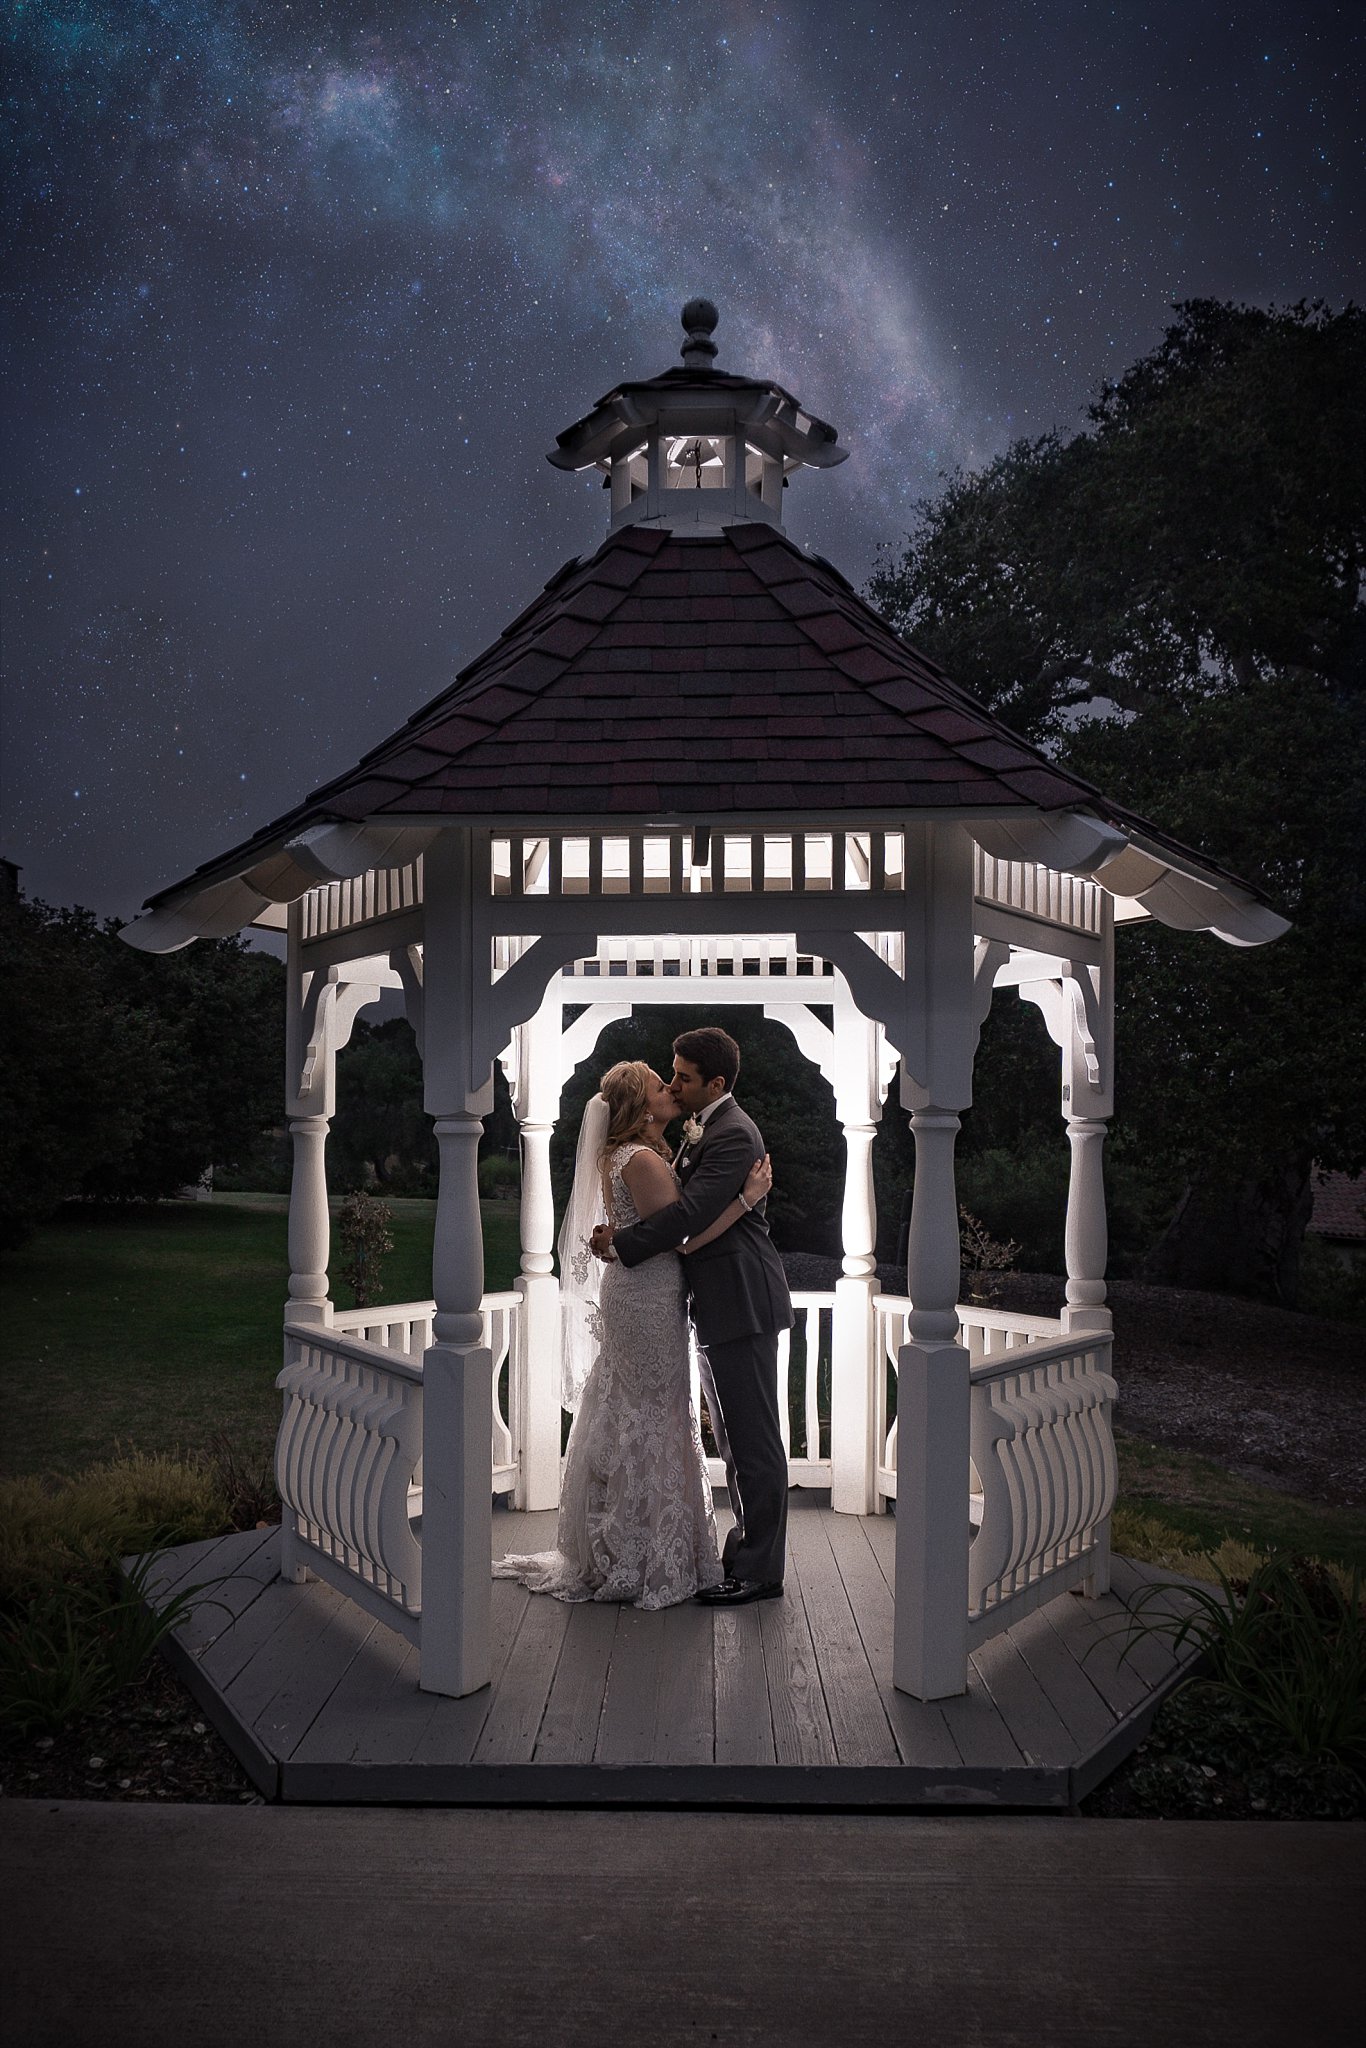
(700, 770)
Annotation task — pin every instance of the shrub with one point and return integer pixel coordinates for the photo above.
(363, 1228)
(498, 1176)
(1021, 1198)
(72, 1529)
(75, 1646)
(1285, 1646)
(983, 1260)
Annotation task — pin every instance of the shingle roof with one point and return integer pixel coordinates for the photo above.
(699, 677)
(677, 674)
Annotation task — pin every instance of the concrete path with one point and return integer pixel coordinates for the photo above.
(251, 1926)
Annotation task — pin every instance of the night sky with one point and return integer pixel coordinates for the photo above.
(298, 296)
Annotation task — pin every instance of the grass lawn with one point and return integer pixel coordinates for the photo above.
(159, 1326)
(1202, 1504)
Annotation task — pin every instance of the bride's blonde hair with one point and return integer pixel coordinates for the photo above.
(626, 1090)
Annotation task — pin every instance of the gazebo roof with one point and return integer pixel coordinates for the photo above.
(697, 677)
(702, 679)
(701, 670)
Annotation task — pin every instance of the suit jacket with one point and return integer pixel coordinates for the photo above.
(737, 1282)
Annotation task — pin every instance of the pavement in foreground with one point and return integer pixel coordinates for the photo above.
(199, 1925)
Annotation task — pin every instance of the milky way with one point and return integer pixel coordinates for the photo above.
(301, 294)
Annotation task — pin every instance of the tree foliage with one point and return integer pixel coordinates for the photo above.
(1171, 603)
(126, 1075)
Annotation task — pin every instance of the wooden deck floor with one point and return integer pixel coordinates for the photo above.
(784, 1703)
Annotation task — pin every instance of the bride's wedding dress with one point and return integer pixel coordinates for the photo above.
(636, 1519)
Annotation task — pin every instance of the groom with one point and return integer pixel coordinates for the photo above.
(739, 1304)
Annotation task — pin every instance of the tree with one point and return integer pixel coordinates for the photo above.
(1171, 603)
(126, 1076)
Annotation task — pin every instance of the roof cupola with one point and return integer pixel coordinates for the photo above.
(696, 448)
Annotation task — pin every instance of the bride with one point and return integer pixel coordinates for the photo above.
(636, 1518)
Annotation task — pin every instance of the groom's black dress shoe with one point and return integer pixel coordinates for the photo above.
(736, 1592)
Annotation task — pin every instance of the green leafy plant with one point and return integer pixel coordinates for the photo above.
(70, 1530)
(1286, 1644)
(363, 1228)
(75, 1646)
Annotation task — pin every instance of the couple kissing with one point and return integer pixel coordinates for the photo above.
(654, 1241)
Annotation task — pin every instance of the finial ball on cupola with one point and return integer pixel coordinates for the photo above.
(699, 319)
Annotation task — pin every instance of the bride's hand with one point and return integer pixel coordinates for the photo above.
(758, 1180)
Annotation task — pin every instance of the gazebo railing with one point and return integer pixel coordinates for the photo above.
(348, 1458)
(1043, 1474)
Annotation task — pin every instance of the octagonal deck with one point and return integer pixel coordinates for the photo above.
(788, 1702)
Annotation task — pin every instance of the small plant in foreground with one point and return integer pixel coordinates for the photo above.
(363, 1227)
(75, 1646)
(246, 1483)
(984, 1260)
(1285, 1645)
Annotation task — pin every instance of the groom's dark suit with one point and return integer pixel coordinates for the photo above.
(739, 1304)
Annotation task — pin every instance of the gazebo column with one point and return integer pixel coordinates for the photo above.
(933, 1432)
(310, 1229)
(536, 1352)
(457, 1407)
(930, 1644)
(859, 1057)
(1078, 1009)
(1086, 1234)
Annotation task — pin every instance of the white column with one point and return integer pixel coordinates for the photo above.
(1086, 1234)
(310, 1230)
(457, 1430)
(537, 1350)
(457, 1409)
(853, 1488)
(933, 1433)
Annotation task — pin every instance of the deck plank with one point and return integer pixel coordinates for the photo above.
(801, 1725)
(918, 1726)
(744, 1721)
(685, 1711)
(242, 1569)
(569, 1726)
(176, 1570)
(514, 1717)
(289, 1646)
(978, 1728)
(1036, 1727)
(358, 1703)
(626, 1732)
(1088, 1717)
(453, 1727)
(288, 1716)
(858, 1721)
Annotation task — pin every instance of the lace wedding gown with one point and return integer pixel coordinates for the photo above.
(636, 1518)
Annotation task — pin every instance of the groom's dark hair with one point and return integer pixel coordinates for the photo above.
(712, 1051)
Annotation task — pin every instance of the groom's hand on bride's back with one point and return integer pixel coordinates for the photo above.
(601, 1241)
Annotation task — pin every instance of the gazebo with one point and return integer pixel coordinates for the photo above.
(699, 769)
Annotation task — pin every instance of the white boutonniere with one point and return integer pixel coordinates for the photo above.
(692, 1130)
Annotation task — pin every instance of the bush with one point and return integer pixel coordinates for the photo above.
(74, 1647)
(499, 1176)
(1285, 1649)
(71, 1530)
(76, 1627)
(363, 1232)
(1020, 1198)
